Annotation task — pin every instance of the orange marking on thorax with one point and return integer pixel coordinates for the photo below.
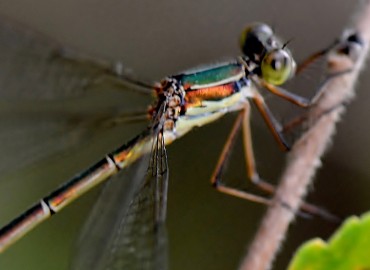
(210, 93)
(195, 97)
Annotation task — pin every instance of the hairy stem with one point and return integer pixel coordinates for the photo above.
(304, 159)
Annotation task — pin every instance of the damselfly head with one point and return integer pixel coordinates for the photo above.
(262, 47)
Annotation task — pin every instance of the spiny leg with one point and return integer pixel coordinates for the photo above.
(299, 120)
(218, 171)
(241, 120)
(249, 154)
(312, 58)
(276, 130)
(274, 126)
(343, 46)
(291, 97)
(216, 180)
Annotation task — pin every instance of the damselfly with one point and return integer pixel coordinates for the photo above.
(182, 102)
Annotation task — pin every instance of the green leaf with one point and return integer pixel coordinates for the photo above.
(347, 249)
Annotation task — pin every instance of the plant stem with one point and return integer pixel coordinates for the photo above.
(305, 157)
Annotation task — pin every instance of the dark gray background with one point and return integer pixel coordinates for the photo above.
(207, 230)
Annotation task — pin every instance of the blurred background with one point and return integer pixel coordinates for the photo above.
(207, 230)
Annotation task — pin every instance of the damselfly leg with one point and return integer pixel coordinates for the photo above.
(243, 119)
(349, 47)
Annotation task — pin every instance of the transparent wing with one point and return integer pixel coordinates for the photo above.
(50, 103)
(126, 228)
(34, 67)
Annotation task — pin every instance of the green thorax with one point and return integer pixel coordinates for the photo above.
(221, 74)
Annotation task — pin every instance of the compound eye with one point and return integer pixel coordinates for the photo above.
(254, 39)
(277, 66)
